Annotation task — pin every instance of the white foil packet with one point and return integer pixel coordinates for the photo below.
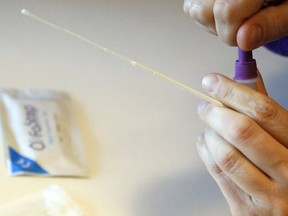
(53, 201)
(40, 134)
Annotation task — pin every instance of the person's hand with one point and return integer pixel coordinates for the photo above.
(245, 147)
(240, 22)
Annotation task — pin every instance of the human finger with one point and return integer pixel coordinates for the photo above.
(267, 25)
(232, 193)
(230, 15)
(202, 13)
(266, 112)
(248, 137)
(231, 169)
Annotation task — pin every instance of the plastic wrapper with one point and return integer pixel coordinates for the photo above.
(40, 134)
(52, 201)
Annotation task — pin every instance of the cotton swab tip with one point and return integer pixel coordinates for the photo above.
(25, 12)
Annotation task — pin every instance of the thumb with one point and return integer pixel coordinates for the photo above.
(267, 25)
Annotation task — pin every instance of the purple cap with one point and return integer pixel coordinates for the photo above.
(245, 66)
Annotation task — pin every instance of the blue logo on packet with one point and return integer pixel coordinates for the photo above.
(24, 164)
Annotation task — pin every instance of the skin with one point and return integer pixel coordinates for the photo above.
(240, 22)
(244, 146)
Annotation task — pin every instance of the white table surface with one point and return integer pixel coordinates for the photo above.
(139, 131)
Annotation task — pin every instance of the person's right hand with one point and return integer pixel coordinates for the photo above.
(240, 22)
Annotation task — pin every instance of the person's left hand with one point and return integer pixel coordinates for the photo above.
(245, 147)
(240, 23)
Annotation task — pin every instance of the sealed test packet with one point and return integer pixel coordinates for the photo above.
(52, 201)
(40, 134)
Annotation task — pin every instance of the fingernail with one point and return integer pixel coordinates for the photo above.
(187, 5)
(201, 106)
(256, 35)
(209, 83)
(200, 141)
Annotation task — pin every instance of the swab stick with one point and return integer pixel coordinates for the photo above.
(124, 58)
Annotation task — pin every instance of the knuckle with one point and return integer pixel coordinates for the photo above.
(227, 93)
(230, 163)
(215, 169)
(225, 15)
(202, 14)
(264, 109)
(241, 130)
(224, 11)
